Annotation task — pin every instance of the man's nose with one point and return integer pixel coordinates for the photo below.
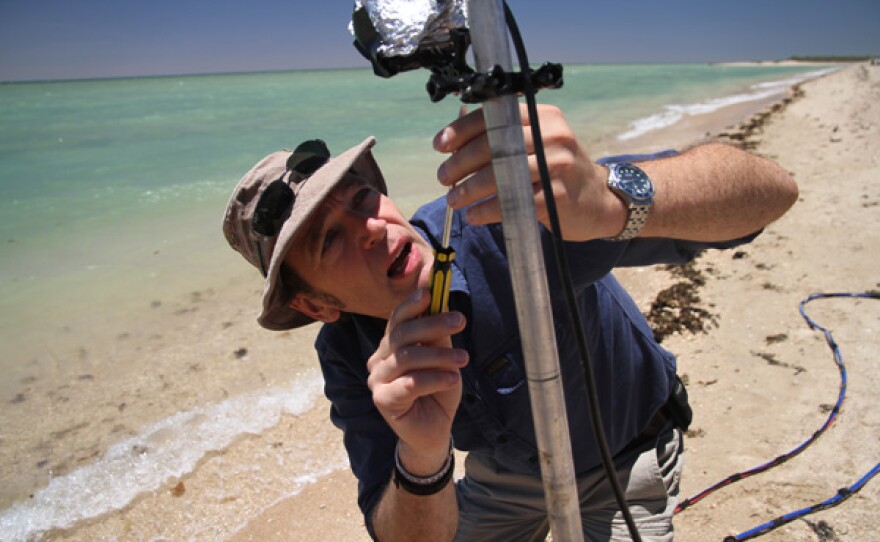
(373, 230)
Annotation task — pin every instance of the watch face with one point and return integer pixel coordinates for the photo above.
(634, 182)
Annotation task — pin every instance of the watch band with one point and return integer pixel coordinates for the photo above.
(635, 221)
(423, 485)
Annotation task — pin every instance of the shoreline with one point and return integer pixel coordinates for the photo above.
(217, 324)
(777, 63)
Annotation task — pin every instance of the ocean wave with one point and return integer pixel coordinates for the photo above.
(674, 113)
(163, 451)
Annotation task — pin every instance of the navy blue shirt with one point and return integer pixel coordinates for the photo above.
(633, 373)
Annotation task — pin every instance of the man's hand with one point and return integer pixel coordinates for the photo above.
(415, 380)
(587, 209)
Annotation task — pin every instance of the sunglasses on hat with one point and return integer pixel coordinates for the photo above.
(278, 197)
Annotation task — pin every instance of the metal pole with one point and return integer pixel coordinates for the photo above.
(527, 272)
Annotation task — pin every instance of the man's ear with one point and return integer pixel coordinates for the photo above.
(314, 308)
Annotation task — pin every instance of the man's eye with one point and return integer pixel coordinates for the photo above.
(364, 197)
(329, 238)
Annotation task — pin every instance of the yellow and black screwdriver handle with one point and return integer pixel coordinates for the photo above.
(441, 279)
(441, 273)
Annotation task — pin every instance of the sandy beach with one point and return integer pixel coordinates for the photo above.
(759, 379)
(762, 381)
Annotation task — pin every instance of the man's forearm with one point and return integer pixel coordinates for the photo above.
(402, 516)
(716, 192)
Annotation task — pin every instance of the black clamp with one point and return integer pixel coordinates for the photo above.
(476, 87)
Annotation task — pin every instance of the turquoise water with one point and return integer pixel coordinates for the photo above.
(111, 197)
(88, 169)
(78, 158)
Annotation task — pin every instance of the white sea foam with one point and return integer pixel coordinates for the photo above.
(168, 449)
(674, 113)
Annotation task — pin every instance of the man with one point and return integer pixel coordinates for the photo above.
(406, 387)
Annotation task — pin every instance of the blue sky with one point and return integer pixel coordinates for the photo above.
(64, 39)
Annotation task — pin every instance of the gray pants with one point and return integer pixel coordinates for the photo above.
(497, 505)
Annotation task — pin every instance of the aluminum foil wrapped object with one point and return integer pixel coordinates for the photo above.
(404, 25)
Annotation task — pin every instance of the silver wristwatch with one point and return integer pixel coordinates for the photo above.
(634, 186)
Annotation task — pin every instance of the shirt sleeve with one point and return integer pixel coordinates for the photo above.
(368, 440)
(656, 250)
(635, 157)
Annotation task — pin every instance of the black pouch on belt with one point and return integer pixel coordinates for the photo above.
(677, 407)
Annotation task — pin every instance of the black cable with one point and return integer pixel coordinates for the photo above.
(565, 275)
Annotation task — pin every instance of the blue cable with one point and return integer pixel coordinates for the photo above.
(843, 493)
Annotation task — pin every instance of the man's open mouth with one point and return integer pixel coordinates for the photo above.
(399, 263)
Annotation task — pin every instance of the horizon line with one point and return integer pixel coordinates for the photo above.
(770, 62)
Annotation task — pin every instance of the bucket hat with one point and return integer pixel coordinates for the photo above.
(272, 202)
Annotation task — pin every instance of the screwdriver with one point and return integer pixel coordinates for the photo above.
(441, 272)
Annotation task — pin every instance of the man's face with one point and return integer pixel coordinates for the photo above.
(359, 248)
